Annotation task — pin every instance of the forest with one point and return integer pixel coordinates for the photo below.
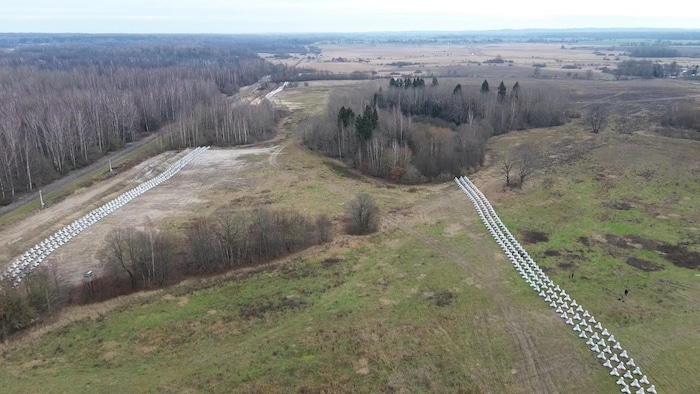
(413, 132)
(64, 106)
(66, 101)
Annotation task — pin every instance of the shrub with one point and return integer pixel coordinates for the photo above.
(362, 215)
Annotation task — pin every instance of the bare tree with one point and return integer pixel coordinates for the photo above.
(163, 247)
(117, 256)
(230, 231)
(527, 159)
(140, 254)
(201, 247)
(597, 117)
(43, 290)
(362, 215)
(8, 156)
(521, 162)
(507, 165)
(324, 228)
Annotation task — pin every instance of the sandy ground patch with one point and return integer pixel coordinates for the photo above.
(196, 185)
(20, 236)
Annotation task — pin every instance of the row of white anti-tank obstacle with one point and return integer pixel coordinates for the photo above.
(274, 92)
(31, 259)
(599, 339)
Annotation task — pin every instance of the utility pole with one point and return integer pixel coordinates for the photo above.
(41, 199)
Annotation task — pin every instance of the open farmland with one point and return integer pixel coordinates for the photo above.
(443, 60)
(430, 303)
(553, 61)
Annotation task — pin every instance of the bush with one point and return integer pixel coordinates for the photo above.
(14, 312)
(497, 60)
(412, 176)
(362, 215)
(681, 115)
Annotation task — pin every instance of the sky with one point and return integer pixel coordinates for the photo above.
(295, 16)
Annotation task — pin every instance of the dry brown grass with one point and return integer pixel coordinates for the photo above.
(464, 59)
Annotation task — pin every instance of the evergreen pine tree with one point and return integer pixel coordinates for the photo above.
(501, 91)
(485, 87)
(515, 91)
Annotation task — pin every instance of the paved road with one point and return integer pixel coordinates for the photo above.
(103, 162)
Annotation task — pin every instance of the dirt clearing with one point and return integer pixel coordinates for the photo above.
(679, 255)
(18, 237)
(194, 188)
(644, 265)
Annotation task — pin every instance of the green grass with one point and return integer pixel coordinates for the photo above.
(339, 169)
(369, 310)
(662, 209)
(436, 229)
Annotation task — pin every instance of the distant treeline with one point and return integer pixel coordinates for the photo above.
(513, 35)
(304, 42)
(252, 43)
(654, 51)
(413, 133)
(646, 69)
(293, 74)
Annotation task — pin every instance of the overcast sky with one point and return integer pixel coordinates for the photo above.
(272, 16)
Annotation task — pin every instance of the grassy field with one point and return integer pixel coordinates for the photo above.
(314, 323)
(620, 212)
(423, 308)
(384, 60)
(430, 303)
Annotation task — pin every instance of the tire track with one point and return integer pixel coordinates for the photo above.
(537, 371)
(273, 157)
